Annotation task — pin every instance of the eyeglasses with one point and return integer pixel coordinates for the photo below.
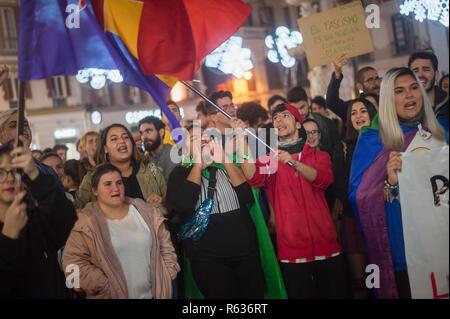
(312, 133)
(370, 81)
(229, 106)
(4, 174)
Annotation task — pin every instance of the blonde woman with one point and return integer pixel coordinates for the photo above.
(89, 143)
(406, 122)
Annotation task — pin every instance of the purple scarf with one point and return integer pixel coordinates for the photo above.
(372, 214)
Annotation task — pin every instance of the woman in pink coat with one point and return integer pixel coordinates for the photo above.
(120, 247)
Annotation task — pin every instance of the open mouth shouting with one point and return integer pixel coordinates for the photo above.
(410, 105)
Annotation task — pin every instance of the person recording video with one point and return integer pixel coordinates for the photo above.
(35, 221)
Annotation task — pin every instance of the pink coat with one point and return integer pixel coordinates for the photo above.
(101, 276)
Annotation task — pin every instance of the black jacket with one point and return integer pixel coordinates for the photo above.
(229, 235)
(29, 266)
(330, 142)
(334, 102)
(441, 102)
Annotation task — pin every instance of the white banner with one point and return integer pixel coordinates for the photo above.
(424, 197)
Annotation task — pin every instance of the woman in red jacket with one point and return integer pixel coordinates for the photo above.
(306, 238)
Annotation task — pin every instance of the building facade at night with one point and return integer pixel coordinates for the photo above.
(61, 109)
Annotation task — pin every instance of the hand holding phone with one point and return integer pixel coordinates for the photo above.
(15, 217)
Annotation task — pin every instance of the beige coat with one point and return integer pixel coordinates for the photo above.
(101, 276)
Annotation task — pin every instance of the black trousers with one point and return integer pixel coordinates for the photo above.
(324, 279)
(229, 278)
(403, 287)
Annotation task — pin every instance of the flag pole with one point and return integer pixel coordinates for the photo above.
(204, 97)
(21, 112)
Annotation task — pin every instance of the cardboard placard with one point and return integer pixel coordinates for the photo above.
(330, 34)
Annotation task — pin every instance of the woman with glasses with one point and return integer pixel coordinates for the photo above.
(312, 133)
(35, 221)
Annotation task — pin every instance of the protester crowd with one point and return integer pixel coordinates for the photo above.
(209, 215)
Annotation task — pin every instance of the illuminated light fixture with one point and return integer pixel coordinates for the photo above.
(278, 47)
(65, 133)
(248, 75)
(97, 78)
(231, 58)
(178, 92)
(433, 10)
(96, 117)
(135, 116)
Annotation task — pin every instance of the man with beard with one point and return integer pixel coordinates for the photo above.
(152, 132)
(425, 66)
(367, 82)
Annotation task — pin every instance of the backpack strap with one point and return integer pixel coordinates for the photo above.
(212, 181)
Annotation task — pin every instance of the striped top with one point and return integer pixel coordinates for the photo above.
(225, 197)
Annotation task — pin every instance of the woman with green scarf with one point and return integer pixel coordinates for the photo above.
(224, 256)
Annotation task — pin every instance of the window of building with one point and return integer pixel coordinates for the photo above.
(267, 17)
(11, 90)
(58, 88)
(252, 83)
(287, 17)
(273, 75)
(403, 29)
(249, 21)
(135, 95)
(8, 30)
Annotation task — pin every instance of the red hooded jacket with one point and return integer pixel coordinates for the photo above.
(304, 226)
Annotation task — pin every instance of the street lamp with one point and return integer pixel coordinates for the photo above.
(231, 58)
(434, 10)
(97, 78)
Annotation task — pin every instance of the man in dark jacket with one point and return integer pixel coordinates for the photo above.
(425, 66)
(367, 82)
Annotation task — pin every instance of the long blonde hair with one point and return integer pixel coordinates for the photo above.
(390, 131)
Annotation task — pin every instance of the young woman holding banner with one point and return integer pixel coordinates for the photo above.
(406, 122)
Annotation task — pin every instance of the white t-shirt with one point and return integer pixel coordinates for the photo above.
(132, 243)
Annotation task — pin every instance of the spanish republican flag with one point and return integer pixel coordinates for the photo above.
(153, 43)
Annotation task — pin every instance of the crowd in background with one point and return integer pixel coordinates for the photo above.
(298, 231)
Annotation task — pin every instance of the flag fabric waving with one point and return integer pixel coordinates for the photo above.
(152, 43)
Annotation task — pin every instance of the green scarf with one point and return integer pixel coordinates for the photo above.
(274, 281)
